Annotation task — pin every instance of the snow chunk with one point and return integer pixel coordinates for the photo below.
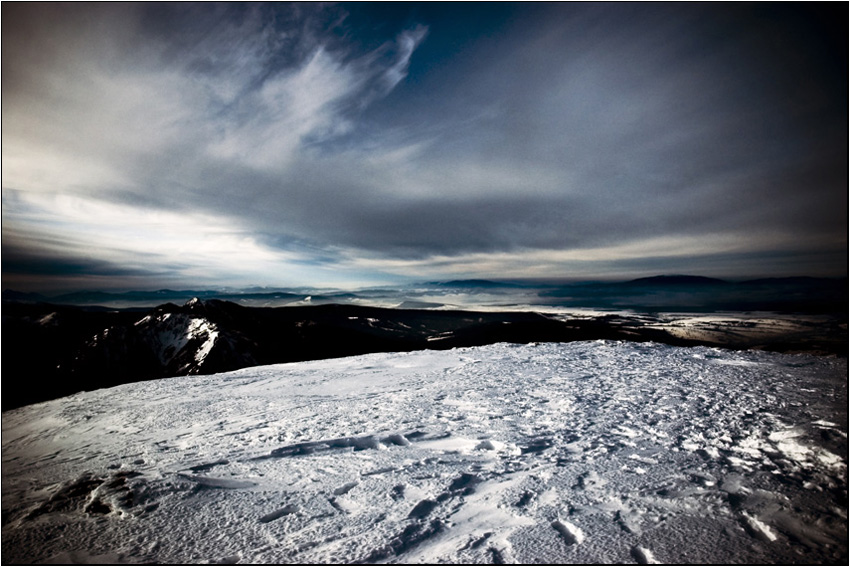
(759, 527)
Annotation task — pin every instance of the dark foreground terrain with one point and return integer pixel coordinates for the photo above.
(51, 350)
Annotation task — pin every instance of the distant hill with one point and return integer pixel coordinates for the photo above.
(22, 297)
(673, 293)
(151, 298)
(675, 280)
(796, 281)
(414, 304)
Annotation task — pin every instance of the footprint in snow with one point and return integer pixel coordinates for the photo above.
(569, 532)
(590, 481)
(466, 483)
(345, 488)
(422, 509)
(397, 493)
(207, 482)
(527, 498)
(629, 522)
(279, 513)
(643, 556)
(497, 556)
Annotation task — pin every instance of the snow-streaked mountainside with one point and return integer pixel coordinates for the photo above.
(72, 349)
(183, 342)
(601, 452)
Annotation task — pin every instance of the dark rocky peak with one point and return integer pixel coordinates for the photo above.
(216, 310)
(165, 308)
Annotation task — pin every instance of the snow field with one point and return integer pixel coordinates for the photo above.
(596, 452)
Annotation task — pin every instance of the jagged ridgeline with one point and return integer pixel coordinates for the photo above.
(74, 348)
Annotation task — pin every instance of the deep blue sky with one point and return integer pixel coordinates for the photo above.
(169, 145)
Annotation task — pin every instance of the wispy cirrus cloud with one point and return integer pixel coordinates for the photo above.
(112, 156)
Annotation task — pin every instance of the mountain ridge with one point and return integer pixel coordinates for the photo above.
(675, 280)
(588, 291)
(74, 348)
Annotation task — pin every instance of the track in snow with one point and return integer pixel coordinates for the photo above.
(558, 453)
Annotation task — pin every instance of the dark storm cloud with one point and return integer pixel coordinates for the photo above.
(416, 137)
(636, 136)
(18, 260)
(28, 264)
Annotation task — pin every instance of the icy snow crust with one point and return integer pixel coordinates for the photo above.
(597, 452)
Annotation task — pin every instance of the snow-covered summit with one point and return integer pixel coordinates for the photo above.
(588, 452)
(169, 341)
(179, 341)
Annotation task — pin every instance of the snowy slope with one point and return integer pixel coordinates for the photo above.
(596, 452)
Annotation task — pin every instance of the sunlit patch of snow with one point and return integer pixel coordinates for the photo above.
(734, 362)
(759, 527)
(49, 319)
(144, 320)
(625, 431)
(205, 329)
(441, 336)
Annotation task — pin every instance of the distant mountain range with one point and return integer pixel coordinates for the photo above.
(665, 281)
(480, 284)
(164, 295)
(658, 293)
(701, 294)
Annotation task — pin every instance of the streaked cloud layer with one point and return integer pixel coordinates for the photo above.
(186, 145)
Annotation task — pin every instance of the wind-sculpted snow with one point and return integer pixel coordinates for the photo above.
(599, 452)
